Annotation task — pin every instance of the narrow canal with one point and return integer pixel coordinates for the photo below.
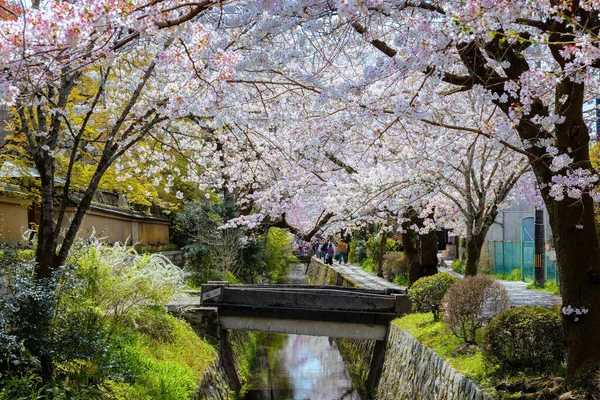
(299, 367)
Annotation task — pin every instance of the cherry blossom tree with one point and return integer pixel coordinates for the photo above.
(534, 61)
(90, 81)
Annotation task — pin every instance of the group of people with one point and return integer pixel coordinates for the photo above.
(327, 251)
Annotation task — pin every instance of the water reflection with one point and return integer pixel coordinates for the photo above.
(304, 367)
(299, 367)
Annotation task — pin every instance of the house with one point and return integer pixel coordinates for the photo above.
(107, 217)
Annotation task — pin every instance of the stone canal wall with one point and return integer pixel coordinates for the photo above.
(318, 273)
(413, 371)
(214, 384)
(410, 369)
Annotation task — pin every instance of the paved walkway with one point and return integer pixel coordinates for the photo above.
(363, 278)
(517, 291)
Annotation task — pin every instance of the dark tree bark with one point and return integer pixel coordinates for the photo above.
(428, 254)
(411, 252)
(420, 251)
(473, 250)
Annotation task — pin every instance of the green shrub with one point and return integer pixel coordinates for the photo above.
(426, 293)
(360, 251)
(25, 254)
(515, 275)
(372, 246)
(401, 280)
(119, 282)
(368, 265)
(458, 266)
(525, 338)
(394, 264)
(471, 302)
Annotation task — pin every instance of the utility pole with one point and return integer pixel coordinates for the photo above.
(597, 119)
(540, 247)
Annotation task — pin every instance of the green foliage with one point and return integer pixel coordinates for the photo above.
(458, 266)
(514, 276)
(426, 293)
(25, 254)
(244, 345)
(372, 246)
(154, 248)
(548, 286)
(395, 264)
(119, 282)
(212, 250)
(279, 252)
(92, 318)
(369, 265)
(352, 251)
(525, 338)
(358, 251)
(401, 280)
(163, 359)
(435, 335)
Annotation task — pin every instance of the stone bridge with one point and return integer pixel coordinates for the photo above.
(298, 309)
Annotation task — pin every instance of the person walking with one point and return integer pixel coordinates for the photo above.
(329, 253)
(342, 250)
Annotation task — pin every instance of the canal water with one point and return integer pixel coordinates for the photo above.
(297, 367)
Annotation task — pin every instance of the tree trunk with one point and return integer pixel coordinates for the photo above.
(411, 252)
(577, 253)
(473, 250)
(47, 232)
(428, 254)
(382, 244)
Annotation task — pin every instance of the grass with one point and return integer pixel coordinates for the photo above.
(548, 286)
(436, 336)
(468, 361)
(514, 276)
(163, 359)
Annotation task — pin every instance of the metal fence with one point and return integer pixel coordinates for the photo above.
(506, 256)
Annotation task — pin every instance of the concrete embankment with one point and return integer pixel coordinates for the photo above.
(410, 370)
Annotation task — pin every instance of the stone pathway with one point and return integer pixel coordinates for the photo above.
(363, 278)
(518, 292)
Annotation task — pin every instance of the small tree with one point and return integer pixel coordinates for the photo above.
(427, 293)
(471, 303)
(394, 263)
